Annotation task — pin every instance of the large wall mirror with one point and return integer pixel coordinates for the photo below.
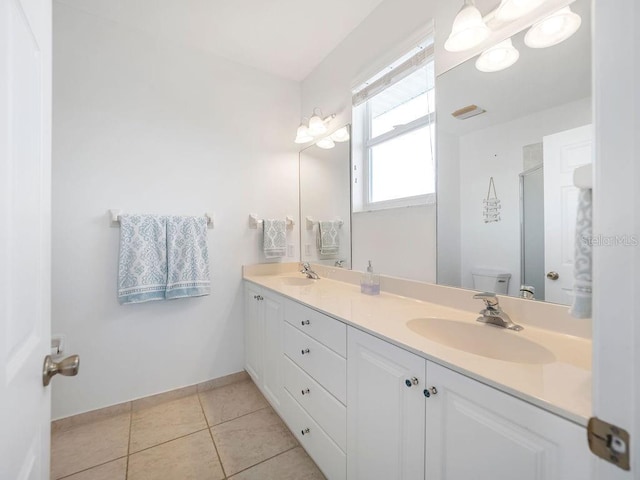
(325, 201)
(506, 201)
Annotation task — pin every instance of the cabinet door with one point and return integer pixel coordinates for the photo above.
(475, 431)
(273, 314)
(253, 331)
(385, 417)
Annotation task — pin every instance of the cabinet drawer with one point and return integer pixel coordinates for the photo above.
(327, 455)
(327, 367)
(330, 414)
(326, 330)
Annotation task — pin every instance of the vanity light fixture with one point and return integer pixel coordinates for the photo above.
(325, 143)
(340, 135)
(554, 29)
(468, 29)
(498, 57)
(317, 126)
(510, 10)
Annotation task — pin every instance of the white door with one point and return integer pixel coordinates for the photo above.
(272, 343)
(253, 331)
(25, 178)
(477, 432)
(385, 410)
(563, 153)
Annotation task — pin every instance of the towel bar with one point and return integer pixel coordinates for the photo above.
(115, 217)
(255, 222)
(311, 222)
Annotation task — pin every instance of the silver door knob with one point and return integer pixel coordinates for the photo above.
(306, 431)
(306, 391)
(305, 322)
(411, 381)
(305, 351)
(553, 275)
(68, 367)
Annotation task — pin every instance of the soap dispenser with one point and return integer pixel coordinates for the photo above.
(370, 282)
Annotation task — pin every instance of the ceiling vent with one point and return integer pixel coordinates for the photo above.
(468, 112)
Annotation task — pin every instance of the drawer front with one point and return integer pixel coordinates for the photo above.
(330, 414)
(327, 455)
(326, 330)
(327, 367)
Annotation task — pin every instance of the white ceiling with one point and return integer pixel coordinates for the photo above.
(288, 38)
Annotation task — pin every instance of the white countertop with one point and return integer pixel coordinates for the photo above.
(561, 386)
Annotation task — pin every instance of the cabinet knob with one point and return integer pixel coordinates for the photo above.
(305, 350)
(255, 297)
(305, 322)
(260, 297)
(305, 431)
(409, 382)
(430, 391)
(305, 391)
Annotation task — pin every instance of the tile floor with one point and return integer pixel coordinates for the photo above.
(229, 432)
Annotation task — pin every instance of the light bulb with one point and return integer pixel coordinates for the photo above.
(302, 135)
(554, 29)
(325, 143)
(316, 126)
(340, 135)
(510, 10)
(498, 57)
(468, 29)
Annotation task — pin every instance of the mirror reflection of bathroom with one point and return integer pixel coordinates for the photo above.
(325, 213)
(515, 153)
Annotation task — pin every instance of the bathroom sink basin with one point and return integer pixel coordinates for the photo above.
(480, 339)
(297, 281)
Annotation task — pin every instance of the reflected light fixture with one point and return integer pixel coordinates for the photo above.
(498, 57)
(553, 29)
(510, 10)
(340, 135)
(303, 136)
(325, 143)
(468, 30)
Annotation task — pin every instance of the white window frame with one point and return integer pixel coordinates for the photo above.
(368, 143)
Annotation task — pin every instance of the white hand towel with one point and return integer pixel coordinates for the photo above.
(275, 238)
(187, 257)
(329, 237)
(142, 263)
(581, 307)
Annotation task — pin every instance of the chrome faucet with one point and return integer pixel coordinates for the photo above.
(339, 264)
(306, 269)
(493, 314)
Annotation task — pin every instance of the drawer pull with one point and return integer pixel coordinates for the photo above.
(306, 431)
(305, 322)
(409, 382)
(306, 350)
(306, 391)
(430, 391)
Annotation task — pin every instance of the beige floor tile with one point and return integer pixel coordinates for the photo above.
(250, 439)
(292, 465)
(231, 401)
(164, 422)
(88, 445)
(188, 458)
(116, 470)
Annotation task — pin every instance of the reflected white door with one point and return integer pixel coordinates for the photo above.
(25, 178)
(563, 153)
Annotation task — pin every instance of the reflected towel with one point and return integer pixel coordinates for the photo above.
(581, 307)
(187, 257)
(328, 237)
(275, 238)
(142, 263)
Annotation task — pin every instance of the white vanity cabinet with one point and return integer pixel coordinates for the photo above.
(315, 381)
(386, 410)
(409, 418)
(476, 431)
(264, 317)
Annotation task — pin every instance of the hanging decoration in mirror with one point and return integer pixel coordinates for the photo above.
(492, 205)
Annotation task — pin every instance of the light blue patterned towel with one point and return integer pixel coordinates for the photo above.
(581, 307)
(187, 257)
(329, 238)
(142, 266)
(275, 238)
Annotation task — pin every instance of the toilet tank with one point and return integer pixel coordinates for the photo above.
(487, 280)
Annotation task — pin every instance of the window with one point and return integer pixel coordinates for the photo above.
(393, 118)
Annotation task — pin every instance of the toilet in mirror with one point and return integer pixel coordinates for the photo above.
(508, 143)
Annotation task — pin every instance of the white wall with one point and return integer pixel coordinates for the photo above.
(148, 126)
(400, 242)
(497, 152)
